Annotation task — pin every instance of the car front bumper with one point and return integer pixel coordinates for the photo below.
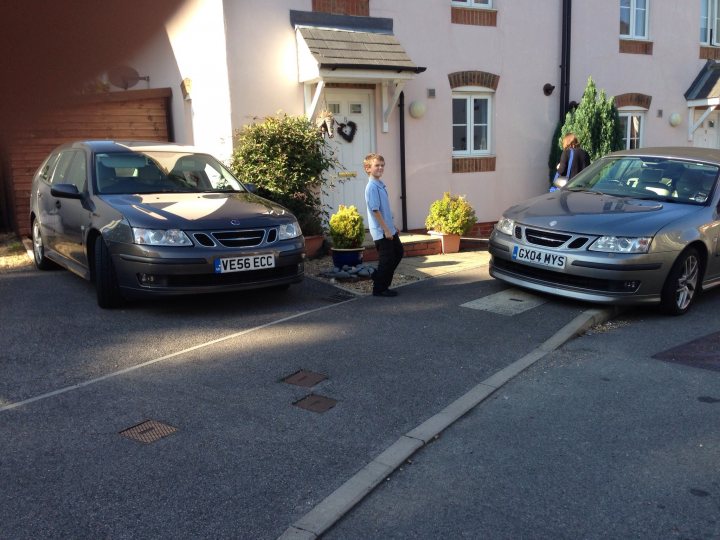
(604, 278)
(171, 271)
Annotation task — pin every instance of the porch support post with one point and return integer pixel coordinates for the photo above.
(311, 103)
(389, 101)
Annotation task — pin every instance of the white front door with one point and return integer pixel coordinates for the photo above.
(352, 140)
(706, 136)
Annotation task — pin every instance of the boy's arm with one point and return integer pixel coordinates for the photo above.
(386, 230)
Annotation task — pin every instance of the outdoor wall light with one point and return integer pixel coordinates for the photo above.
(548, 89)
(417, 109)
(675, 119)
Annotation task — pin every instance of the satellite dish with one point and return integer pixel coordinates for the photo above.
(124, 77)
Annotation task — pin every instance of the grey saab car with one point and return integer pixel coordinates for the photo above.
(152, 219)
(635, 227)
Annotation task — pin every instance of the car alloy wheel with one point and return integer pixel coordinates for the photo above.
(681, 286)
(41, 262)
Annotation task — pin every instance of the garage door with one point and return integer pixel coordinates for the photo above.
(130, 115)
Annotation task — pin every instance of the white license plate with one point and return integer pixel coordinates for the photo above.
(538, 256)
(242, 264)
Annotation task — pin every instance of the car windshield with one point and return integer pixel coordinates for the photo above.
(161, 172)
(646, 177)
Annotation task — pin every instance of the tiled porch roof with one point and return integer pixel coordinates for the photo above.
(707, 84)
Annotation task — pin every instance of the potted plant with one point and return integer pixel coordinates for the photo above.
(287, 158)
(450, 218)
(347, 232)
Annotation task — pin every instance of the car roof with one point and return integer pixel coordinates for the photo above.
(675, 152)
(106, 146)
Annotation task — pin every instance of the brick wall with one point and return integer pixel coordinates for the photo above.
(342, 7)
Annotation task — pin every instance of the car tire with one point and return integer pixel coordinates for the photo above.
(682, 285)
(106, 284)
(41, 262)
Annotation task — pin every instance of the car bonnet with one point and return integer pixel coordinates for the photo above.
(196, 211)
(595, 213)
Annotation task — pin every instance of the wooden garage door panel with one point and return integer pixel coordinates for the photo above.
(129, 115)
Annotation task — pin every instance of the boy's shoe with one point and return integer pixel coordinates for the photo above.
(386, 292)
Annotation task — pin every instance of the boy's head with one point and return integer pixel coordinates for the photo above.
(374, 164)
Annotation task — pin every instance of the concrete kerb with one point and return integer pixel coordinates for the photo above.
(330, 510)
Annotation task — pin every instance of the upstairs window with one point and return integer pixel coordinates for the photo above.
(709, 22)
(634, 19)
(472, 129)
(472, 3)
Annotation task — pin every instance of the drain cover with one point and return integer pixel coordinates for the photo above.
(148, 431)
(315, 403)
(702, 353)
(340, 296)
(304, 378)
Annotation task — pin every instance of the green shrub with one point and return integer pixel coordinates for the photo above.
(451, 215)
(286, 158)
(347, 229)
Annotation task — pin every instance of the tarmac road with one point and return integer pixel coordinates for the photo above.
(244, 461)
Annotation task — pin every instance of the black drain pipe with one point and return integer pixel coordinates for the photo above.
(403, 194)
(565, 59)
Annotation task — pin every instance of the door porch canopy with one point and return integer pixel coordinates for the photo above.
(704, 93)
(350, 50)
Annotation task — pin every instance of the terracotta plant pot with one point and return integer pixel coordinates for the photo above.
(313, 245)
(450, 242)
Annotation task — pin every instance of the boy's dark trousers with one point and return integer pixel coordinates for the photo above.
(390, 252)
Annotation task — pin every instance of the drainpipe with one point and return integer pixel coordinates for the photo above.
(565, 59)
(403, 194)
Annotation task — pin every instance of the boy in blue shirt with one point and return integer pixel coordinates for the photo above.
(383, 231)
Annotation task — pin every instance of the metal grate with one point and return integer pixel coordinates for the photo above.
(148, 431)
(305, 378)
(340, 296)
(315, 403)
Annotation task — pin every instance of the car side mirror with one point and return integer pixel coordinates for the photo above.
(252, 188)
(65, 191)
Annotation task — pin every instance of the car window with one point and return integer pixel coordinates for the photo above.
(162, 172)
(649, 178)
(71, 169)
(46, 169)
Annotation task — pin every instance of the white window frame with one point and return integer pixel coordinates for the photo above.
(630, 113)
(471, 93)
(477, 4)
(710, 16)
(634, 11)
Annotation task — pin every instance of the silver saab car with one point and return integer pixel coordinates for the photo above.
(144, 219)
(635, 227)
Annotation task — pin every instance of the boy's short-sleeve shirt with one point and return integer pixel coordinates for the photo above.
(376, 197)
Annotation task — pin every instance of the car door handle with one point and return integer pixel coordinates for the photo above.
(57, 204)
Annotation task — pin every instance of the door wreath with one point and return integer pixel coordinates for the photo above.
(347, 131)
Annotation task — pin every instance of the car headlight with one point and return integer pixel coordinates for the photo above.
(159, 237)
(505, 226)
(621, 244)
(289, 230)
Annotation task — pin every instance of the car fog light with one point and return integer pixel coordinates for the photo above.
(147, 279)
(632, 285)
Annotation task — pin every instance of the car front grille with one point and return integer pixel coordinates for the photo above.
(550, 239)
(233, 278)
(549, 277)
(241, 238)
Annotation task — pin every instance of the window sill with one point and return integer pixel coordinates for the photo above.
(636, 46)
(473, 164)
(476, 16)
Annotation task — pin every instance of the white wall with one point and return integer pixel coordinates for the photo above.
(193, 46)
